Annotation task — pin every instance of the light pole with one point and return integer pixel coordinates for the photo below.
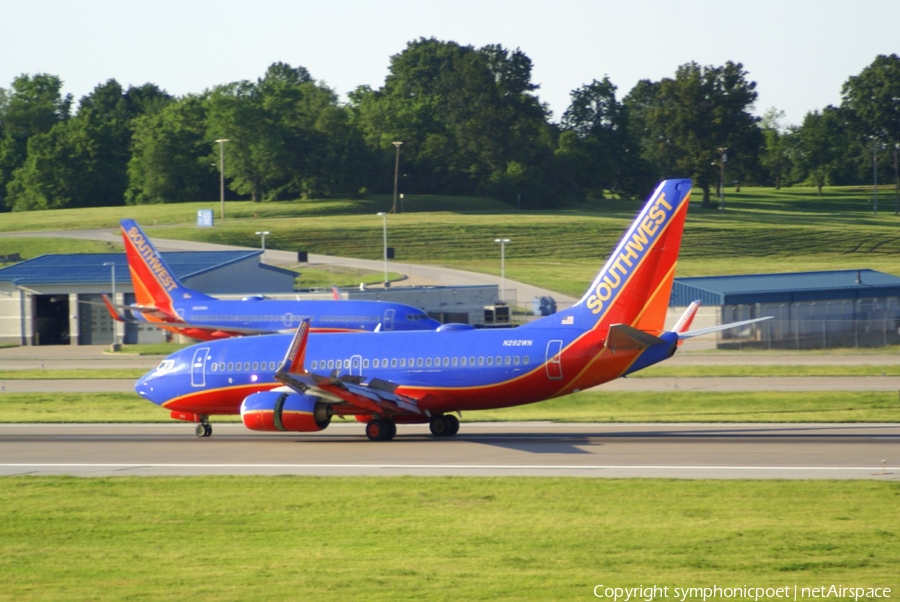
(222, 142)
(396, 172)
(502, 242)
(896, 180)
(384, 228)
(263, 234)
(722, 159)
(874, 175)
(115, 346)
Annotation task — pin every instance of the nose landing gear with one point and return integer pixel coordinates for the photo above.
(204, 429)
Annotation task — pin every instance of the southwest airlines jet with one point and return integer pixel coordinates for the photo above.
(298, 383)
(163, 301)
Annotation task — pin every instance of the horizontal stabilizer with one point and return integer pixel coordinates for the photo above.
(623, 337)
(711, 329)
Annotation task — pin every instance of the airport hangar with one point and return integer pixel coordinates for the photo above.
(810, 310)
(55, 299)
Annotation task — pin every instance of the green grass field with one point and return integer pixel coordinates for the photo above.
(587, 406)
(297, 538)
(762, 230)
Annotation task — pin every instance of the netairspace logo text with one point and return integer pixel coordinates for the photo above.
(787, 592)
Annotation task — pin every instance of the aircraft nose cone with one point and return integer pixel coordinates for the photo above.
(145, 387)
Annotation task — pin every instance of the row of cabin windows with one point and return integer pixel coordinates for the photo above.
(234, 318)
(402, 362)
(239, 367)
(427, 362)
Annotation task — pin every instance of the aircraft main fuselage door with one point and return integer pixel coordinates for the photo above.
(356, 365)
(198, 367)
(388, 323)
(554, 360)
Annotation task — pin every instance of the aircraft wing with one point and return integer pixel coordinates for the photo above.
(371, 394)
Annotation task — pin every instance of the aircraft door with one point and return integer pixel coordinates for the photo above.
(554, 360)
(198, 367)
(388, 323)
(356, 365)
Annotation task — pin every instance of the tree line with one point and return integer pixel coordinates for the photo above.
(470, 122)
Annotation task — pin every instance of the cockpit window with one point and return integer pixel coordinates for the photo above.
(165, 366)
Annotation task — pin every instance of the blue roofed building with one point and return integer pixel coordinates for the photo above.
(55, 299)
(811, 310)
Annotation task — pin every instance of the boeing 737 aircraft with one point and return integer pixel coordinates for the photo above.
(162, 300)
(284, 383)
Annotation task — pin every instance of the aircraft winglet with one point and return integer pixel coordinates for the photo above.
(684, 322)
(111, 308)
(296, 354)
(292, 365)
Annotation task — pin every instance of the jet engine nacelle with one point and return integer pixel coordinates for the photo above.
(276, 411)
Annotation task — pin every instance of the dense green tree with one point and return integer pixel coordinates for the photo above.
(83, 161)
(604, 155)
(468, 120)
(170, 160)
(815, 154)
(774, 157)
(33, 105)
(598, 121)
(288, 136)
(690, 122)
(254, 155)
(872, 100)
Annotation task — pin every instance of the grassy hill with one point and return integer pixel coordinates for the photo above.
(761, 230)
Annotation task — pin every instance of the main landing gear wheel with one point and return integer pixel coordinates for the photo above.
(203, 430)
(444, 425)
(381, 430)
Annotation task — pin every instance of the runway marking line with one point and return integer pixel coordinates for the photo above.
(450, 466)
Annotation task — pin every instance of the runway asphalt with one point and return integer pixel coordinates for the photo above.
(684, 451)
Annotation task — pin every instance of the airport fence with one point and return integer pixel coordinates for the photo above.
(870, 322)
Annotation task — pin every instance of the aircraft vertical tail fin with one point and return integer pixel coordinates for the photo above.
(155, 285)
(634, 285)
